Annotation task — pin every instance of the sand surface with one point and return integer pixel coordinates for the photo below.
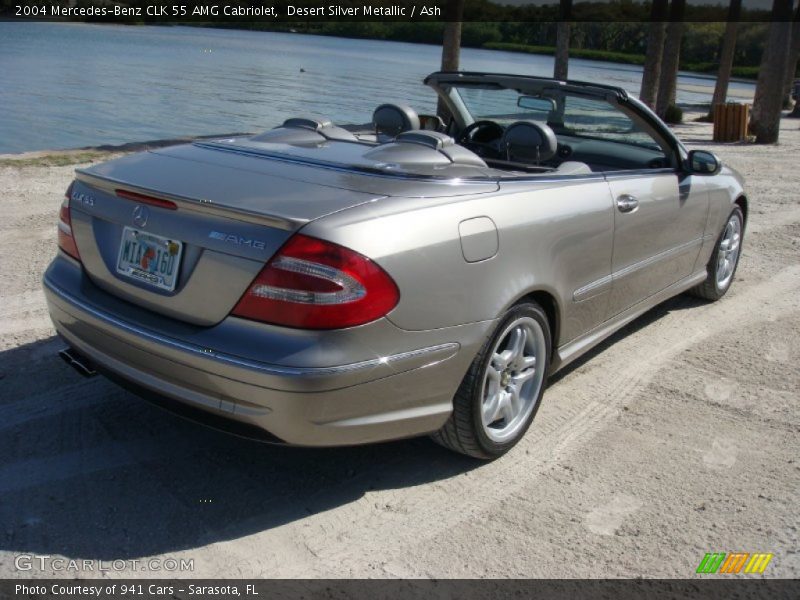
(679, 436)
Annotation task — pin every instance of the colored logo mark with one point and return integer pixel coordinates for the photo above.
(735, 562)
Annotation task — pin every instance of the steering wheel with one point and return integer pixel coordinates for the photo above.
(483, 138)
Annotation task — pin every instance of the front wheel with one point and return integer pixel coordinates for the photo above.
(724, 259)
(500, 394)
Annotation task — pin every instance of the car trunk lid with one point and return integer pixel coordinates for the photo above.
(223, 224)
(224, 213)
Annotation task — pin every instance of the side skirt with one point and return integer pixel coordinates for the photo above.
(574, 349)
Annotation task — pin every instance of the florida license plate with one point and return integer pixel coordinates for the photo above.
(149, 258)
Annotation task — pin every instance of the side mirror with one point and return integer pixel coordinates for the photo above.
(703, 162)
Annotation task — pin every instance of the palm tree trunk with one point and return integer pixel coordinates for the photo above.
(766, 114)
(726, 55)
(561, 66)
(451, 45)
(668, 82)
(655, 51)
(794, 55)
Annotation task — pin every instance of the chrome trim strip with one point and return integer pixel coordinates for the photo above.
(592, 289)
(366, 171)
(651, 260)
(444, 350)
(636, 173)
(551, 177)
(599, 286)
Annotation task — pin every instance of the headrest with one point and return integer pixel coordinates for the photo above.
(392, 119)
(529, 141)
(307, 123)
(432, 139)
(323, 127)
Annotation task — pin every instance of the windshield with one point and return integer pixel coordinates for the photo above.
(567, 114)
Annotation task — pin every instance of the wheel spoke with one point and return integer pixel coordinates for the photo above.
(492, 374)
(519, 378)
(514, 405)
(491, 408)
(504, 407)
(721, 267)
(492, 383)
(526, 362)
(517, 346)
(501, 360)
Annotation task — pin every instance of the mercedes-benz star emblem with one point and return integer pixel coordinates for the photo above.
(140, 214)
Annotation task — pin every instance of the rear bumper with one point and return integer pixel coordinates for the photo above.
(382, 396)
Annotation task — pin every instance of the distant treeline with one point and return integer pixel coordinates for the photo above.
(613, 42)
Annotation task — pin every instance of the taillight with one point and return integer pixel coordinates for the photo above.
(66, 241)
(314, 284)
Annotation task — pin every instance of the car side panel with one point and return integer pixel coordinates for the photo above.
(658, 242)
(554, 236)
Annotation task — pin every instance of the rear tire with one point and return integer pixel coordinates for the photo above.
(724, 259)
(501, 393)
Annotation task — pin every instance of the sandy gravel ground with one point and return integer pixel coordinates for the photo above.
(677, 437)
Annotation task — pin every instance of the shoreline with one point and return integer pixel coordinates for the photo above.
(73, 156)
(87, 154)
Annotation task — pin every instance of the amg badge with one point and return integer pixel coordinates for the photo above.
(232, 238)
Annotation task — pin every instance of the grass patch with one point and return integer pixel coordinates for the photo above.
(56, 159)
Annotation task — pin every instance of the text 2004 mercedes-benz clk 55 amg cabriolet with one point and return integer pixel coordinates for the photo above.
(318, 285)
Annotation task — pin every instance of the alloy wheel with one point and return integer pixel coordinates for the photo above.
(513, 378)
(728, 252)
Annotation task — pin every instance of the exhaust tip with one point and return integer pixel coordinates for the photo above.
(81, 364)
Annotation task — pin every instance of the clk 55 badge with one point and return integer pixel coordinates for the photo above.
(84, 199)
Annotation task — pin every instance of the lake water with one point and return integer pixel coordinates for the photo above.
(68, 85)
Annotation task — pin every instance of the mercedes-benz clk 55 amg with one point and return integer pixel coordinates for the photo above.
(322, 285)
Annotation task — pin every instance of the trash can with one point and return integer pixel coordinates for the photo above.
(730, 122)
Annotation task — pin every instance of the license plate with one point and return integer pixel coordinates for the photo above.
(149, 258)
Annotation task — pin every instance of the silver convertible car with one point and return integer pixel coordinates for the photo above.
(322, 285)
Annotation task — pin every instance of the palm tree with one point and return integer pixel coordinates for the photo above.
(655, 50)
(668, 81)
(451, 42)
(791, 67)
(561, 66)
(766, 114)
(726, 55)
(451, 45)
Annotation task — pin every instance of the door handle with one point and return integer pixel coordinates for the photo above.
(627, 203)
